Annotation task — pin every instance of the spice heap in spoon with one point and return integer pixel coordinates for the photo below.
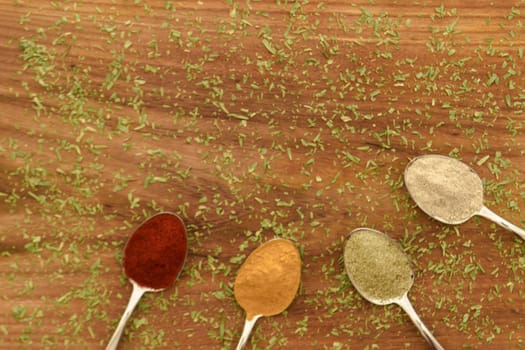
(155, 253)
(380, 271)
(153, 258)
(376, 265)
(449, 191)
(444, 188)
(267, 282)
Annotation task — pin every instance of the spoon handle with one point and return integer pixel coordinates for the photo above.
(248, 325)
(136, 294)
(409, 309)
(489, 214)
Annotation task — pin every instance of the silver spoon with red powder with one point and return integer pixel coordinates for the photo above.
(153, 258)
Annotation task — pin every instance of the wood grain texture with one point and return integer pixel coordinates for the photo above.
(253, 120)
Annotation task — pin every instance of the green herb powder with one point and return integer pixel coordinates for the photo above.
(377, 266)
(444, 188)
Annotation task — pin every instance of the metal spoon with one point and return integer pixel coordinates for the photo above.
(255, 279)
(161, 226)
(381, 272)
(136, 294)
(451, 199)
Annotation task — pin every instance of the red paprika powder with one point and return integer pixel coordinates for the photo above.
(155, 253)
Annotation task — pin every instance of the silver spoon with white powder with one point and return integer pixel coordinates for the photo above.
(449, 191)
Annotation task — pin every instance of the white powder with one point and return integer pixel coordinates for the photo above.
(444, 188)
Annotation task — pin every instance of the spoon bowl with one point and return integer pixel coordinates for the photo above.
(267, 282)
(449, 191)
(153, 258)
(381, 272)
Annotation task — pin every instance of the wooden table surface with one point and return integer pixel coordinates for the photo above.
(254, 120)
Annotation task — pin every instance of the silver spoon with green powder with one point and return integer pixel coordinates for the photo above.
(449, 191)
(381, 272)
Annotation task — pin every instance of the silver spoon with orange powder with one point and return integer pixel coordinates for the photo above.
(267, 282)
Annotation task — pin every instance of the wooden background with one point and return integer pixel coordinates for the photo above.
(255, 119)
